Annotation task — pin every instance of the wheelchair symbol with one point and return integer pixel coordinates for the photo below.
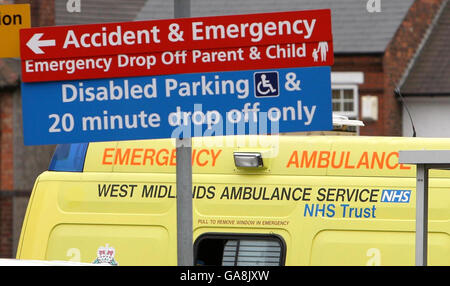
(266, 84)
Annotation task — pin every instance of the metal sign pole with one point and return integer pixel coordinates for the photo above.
(421, 215)
(185, 257)
(184, 203)
(425, 160)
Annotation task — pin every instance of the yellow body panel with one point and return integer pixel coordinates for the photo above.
(328, 198)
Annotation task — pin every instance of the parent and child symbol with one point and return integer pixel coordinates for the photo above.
(265, 84)
(323, 49)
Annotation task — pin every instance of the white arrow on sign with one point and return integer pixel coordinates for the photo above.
(35, 43)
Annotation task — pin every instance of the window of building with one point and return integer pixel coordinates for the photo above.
(239, 250)
(345, 97)
(345, 100)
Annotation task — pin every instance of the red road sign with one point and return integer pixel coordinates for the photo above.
(222, 43)
(171, 62)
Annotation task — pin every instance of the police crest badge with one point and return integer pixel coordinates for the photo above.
(105, 255)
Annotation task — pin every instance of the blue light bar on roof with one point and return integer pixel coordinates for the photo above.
(69, 157)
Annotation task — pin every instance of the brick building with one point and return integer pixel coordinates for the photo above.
(374, 54)
(426, 83)
(384, 68)
(19, 164)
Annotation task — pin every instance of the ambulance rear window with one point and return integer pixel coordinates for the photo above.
(69, 157)
(239, 250)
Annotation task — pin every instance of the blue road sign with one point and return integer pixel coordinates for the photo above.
(173, 106)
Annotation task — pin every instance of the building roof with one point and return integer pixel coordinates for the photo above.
(355, 30)
(98, 11)
(430, 73)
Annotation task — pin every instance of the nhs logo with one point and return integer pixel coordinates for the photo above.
(396, 196)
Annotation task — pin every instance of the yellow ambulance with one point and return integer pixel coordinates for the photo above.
(258, 200)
